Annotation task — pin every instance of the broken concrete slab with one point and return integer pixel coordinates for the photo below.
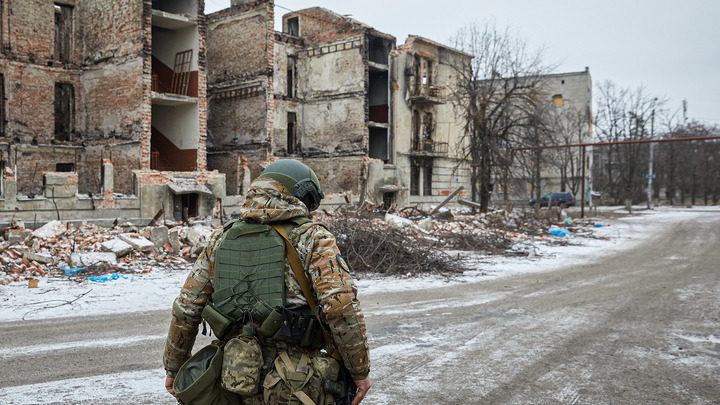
(38, 257)
(50, 230)
(89, 259)
(117, 246)
(139, 243)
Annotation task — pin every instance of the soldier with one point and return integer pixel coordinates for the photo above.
(285, 194)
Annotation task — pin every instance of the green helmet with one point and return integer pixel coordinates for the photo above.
(298, 179)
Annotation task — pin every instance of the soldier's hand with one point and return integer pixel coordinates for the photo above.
(169, 385)
(363, 387)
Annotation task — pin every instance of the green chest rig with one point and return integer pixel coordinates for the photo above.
(250, 266)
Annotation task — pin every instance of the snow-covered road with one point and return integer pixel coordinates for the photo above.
(396, 331)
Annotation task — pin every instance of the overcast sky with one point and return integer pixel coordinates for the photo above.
(671, 47)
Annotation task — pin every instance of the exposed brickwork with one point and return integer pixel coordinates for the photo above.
(109, 66)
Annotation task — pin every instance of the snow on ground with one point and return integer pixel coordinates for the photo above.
(57, 297)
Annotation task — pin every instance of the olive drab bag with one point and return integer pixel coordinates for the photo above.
(198, 380)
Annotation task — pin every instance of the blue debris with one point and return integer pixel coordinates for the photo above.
(599, 225)
(559, 231)
(106, 277)
(73, 271)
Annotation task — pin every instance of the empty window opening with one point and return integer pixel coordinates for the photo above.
(416, 125)
(2, 105)
(379, 144)
(293, 26)
(64, 111)
(65, 167)
(185, 206)
(2, 178)
(414, 180)
(293, 143)
(63, 32)
(379, 50)
(427, 180)
(558, 100)
(291, 76)
(388, 201)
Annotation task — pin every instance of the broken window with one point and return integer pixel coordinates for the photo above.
(64, 111)
(421, 176)
(293, 143)
(63, 32)
(293, 26)
(291, 76)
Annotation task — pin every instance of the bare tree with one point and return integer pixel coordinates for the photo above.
(624, 115)
(496, 98)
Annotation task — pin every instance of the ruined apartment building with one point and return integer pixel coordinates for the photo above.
(321, 91)
(104, 110)
(567, 99)
(430, 148)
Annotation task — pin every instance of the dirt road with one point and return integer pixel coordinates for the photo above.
(637, 327)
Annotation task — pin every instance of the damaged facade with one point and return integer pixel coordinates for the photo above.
(336, 94)
(567, 102)
(103, 107)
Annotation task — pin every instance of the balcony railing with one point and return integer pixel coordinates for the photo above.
(429, 94)
(429, 147)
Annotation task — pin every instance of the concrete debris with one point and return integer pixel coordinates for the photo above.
(89, 259)
(138, 242)
(125, 247)
(117, 246)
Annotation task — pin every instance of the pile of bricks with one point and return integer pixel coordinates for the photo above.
(60, 249)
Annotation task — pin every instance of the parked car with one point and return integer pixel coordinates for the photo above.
(555, 200)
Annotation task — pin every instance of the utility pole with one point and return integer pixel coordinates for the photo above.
(650, 163)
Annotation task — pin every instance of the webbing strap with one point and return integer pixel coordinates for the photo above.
(305, 286)
(303, 397)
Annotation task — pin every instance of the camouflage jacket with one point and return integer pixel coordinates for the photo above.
(333, 287)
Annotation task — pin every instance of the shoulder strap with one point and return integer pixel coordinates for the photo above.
(305, 286)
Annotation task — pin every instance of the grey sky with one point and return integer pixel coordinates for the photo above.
(671, 47)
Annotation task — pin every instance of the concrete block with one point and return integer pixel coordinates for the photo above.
(89, 259)
(174, 236)
(198, 235)
(139, 243)
(17, 235)
(117, 246)
(159, 235)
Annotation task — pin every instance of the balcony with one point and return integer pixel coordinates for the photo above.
(428, 147)
(429, 95)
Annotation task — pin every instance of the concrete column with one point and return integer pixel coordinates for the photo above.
(107, 176)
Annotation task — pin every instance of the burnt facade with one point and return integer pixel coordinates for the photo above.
(103, 108)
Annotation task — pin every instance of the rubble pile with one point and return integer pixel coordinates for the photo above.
(408, 241)
(84, 251)
(412, 241)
